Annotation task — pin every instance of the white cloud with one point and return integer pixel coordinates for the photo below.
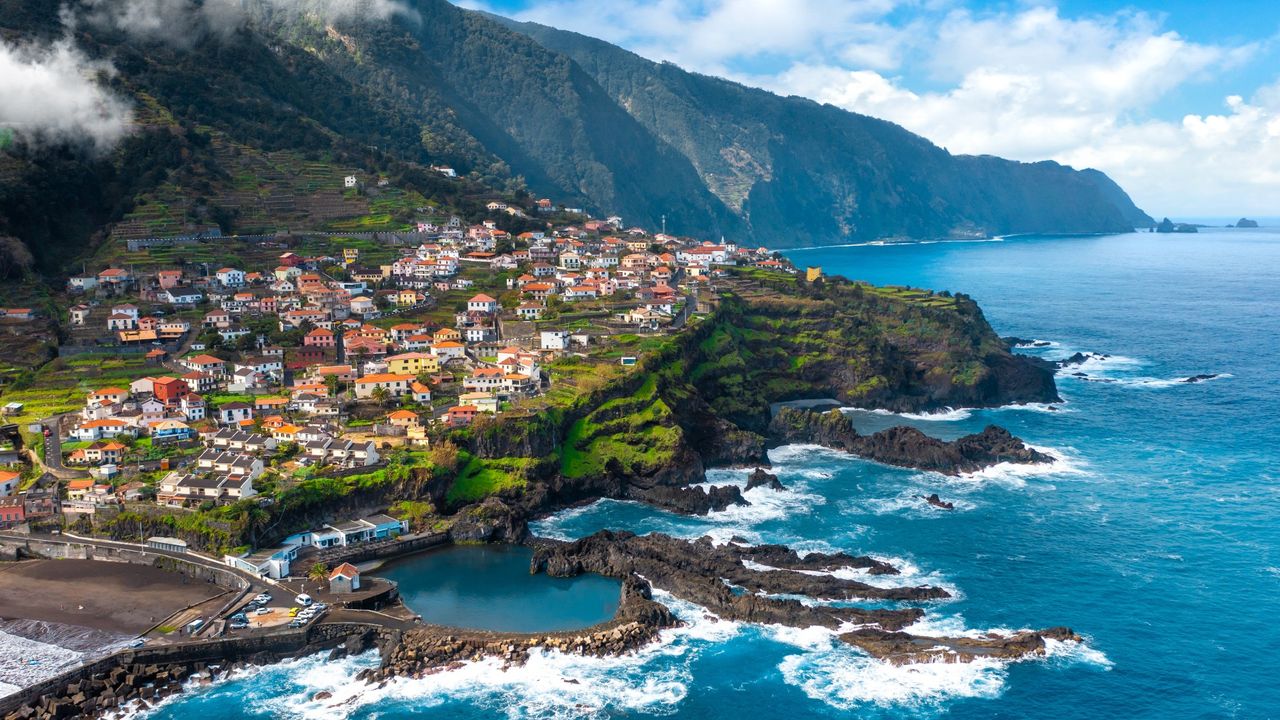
(1026, 83)
(179, 22)
(51, 94)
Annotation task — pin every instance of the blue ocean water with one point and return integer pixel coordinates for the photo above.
(1155, 537)
(489, 587)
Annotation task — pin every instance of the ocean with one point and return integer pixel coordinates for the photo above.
(1155, 536)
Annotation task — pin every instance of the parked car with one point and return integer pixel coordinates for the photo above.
(303, 599)
(262, 611)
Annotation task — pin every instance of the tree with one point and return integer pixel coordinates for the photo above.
(333, 384)
(319, 572)
(380, 395)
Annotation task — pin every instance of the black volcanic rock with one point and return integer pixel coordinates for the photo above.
(938, 502)
(691, 500)
(1200, 378)
(760, 478)
(1246, 223)
(905, 446)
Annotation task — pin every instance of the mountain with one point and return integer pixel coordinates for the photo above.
(807, 173)
(249, 120)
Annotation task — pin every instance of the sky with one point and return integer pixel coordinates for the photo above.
(1177, 100)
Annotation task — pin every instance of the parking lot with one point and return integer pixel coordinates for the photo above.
(266, 611)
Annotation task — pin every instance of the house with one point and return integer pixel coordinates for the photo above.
(350, 181)
(234, 413)
(274, 563)
(12, 511)
(207, 364)
(102, 452)
(482, 304)
(104, 428)
(531, 311)
(109, 394)
(404, 418)
(76, 489)
(449, 350)
(461, 415)
(182, 296)
(554, 339)
(80, 314)
(396, 385)
(363, 306)
(320, 338)
(421, 393)
(171, 430)
(9, 482)
(170, 389)
(121, 321)
(413, 363)
(114, 276)
(344, 579)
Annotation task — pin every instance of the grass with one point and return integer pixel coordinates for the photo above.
(479, 478)
(62, 385)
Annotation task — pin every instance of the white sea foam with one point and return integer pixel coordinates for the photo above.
(1067, 462)
(25, 662)
(551, 684)
(909, 502)
(943, 415)
(845, 678)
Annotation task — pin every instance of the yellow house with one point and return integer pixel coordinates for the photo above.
(413, 363)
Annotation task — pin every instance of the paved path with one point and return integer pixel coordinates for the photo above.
(52, 460)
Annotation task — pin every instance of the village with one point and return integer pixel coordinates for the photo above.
(253, 376)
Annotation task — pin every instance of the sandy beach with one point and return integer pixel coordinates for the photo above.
(112, 597)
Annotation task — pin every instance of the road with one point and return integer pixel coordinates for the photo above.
(192, 557)
(52, 460)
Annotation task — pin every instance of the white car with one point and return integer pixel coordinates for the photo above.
(303, 599)
(262, 611)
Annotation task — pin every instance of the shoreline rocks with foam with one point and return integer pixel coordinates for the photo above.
(905, 446)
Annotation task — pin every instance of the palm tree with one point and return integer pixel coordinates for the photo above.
(380, 395)
(319, 572)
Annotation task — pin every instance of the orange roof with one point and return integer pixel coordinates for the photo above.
(482, 298)
(110, 391)
(206, 360)
(346, 570)
(382, 378)
(402, 415)
(109, 422)
(448, 344)
(6, 476)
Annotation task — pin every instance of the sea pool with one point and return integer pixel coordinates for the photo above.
(488, 587)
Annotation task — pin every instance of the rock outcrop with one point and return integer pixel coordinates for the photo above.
(691, 500)
(904, 446)
(902, 648)
(719, 579)
(760, 478)
(938, 502)
(742, 582)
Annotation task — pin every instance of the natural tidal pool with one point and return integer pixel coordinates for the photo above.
(488, 587)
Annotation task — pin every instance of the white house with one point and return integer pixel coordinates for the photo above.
(482, 303)
(554, 339)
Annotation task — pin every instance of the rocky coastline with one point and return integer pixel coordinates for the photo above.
(760, 584)
(904, 446)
